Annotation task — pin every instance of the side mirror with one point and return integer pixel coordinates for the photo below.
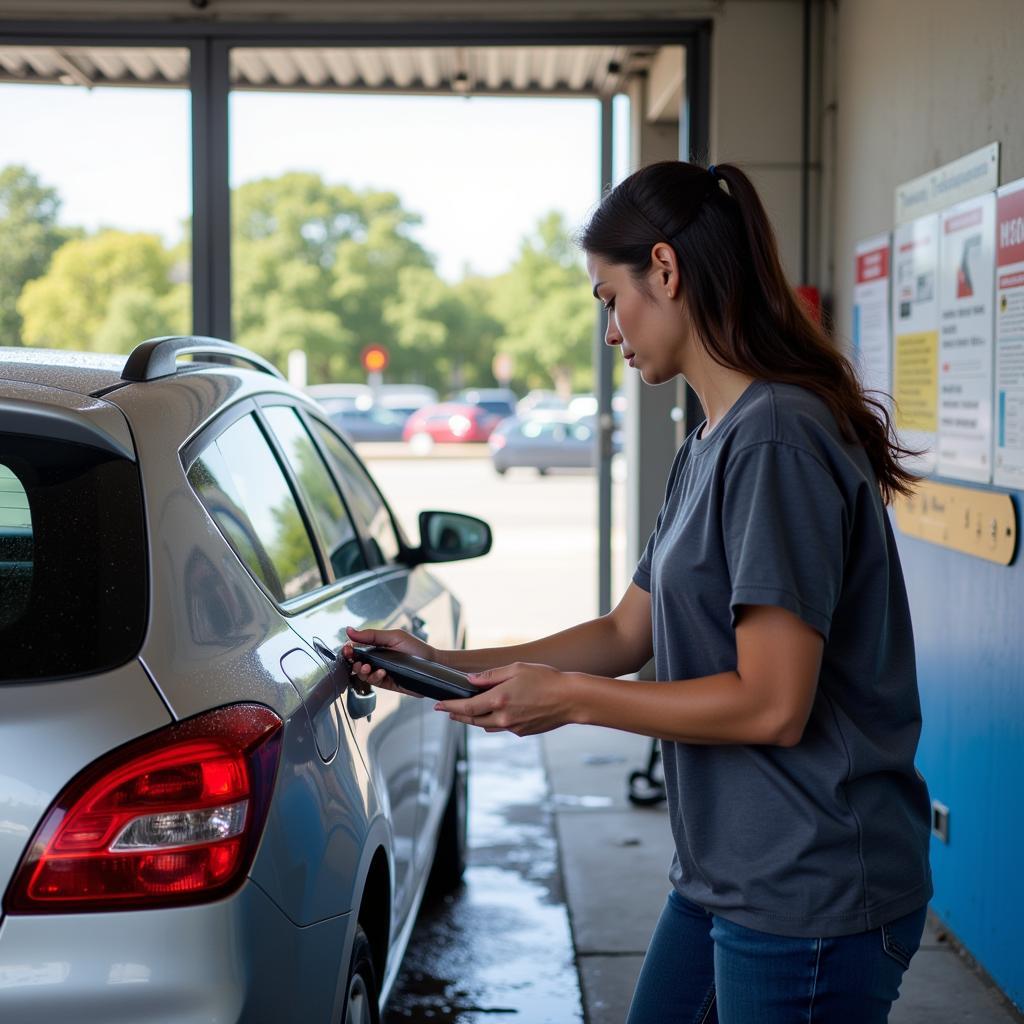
(451, 536)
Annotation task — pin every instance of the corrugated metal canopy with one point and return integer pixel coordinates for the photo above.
(335, 11)
(550, 70)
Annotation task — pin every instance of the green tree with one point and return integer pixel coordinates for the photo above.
(29, 236)
(315, 265)
(444, 333)
(545, 305)
(104, 293)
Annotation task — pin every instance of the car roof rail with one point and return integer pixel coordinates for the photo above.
(158, 357)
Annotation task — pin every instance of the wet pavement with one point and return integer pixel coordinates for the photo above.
(500, 949)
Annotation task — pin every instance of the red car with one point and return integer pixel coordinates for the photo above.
(449, 422)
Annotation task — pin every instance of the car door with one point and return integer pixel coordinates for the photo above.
(430, 614)
(366, 589)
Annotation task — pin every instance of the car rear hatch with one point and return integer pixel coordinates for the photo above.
(73, 599)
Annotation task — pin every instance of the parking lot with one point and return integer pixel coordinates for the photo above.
(541, 574)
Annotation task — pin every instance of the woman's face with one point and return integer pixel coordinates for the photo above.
(651, 327)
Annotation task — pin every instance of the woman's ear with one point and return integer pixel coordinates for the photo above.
(665, 268)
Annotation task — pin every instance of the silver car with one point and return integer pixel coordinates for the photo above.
(201, 819)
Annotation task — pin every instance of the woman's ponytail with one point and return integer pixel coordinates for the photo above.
(741, 304)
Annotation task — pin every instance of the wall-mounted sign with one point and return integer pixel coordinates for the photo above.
(871, 336)
(1009, 427)
(965, 178)
(966, 350)
(978, 523)
(915, 332)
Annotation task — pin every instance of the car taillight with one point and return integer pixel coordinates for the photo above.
(171, 818)
(497, 442)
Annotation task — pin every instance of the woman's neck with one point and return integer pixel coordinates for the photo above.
(717, 387)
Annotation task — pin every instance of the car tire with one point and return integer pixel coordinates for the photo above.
(501, 470)
(361, 993)
(421, 443)
(542, 471)
(453, 838)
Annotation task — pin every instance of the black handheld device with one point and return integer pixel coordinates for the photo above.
(417, 674)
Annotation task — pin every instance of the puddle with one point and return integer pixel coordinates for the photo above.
(500, 949)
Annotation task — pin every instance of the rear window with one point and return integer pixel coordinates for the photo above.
(496, 408)
(73, 573)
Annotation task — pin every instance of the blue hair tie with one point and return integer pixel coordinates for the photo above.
(713, 171)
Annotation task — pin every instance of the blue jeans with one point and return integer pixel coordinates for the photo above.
(701, 969)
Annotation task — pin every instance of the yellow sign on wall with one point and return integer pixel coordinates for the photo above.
(915, 380)
(979, 523)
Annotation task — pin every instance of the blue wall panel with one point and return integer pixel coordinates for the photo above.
(969, 631)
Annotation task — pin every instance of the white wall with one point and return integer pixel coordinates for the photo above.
(918, 83)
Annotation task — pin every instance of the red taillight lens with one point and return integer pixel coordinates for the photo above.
(171, 818)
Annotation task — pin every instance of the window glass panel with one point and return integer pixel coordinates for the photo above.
(363, 499)
(322, 499)
(244, 489)
(73, 575)
(95, 195)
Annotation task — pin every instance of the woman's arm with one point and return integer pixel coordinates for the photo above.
(766, 700)
(612, 645)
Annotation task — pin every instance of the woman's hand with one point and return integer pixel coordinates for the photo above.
(521, 698)
(393, 639)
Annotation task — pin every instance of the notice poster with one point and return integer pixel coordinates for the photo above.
(1009, 466)
(915, 334)
(966, 344)
(871, 337)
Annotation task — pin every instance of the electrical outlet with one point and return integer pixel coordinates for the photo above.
(940, 821)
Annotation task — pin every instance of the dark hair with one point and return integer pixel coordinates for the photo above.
(743, 309)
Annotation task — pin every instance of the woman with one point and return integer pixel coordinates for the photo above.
(771, 597)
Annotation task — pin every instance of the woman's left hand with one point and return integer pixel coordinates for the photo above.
(521, 698)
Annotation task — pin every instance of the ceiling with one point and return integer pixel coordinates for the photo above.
(469, 70)
(359, 10)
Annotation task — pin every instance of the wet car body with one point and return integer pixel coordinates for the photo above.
(363, 789)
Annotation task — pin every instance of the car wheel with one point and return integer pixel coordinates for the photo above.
(361, 999)
(501, 470)
(452, 841)
(542, 471)
(421, 443)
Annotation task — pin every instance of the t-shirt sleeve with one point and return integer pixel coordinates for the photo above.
(642, 572)
(785, 528)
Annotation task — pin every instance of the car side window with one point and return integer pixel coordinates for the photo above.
(239, 480)
(368, 508)
(322, 498)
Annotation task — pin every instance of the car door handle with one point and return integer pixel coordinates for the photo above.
(419, 628)
(360, 705)
(323, 650)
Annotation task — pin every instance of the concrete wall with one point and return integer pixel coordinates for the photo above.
(756, 105)
(917, 84)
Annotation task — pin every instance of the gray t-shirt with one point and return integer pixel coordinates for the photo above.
(828, 837)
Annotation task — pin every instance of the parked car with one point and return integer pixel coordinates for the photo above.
(404, 399)
(450, 423)
(546, 441)
(341, 397)
(203, 816)
(499, 402)
(369, 422)
(539, 400)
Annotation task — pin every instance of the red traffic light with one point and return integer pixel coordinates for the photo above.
(375, 359)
